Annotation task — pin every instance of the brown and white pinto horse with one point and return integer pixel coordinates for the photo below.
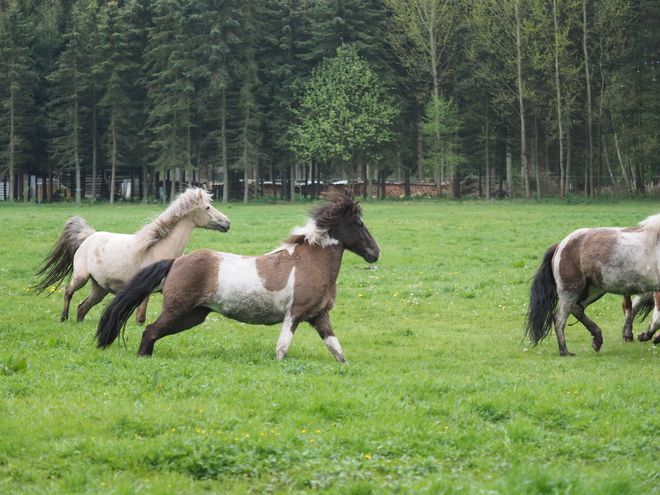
(295, 283)
(110, 260)
(583, 267)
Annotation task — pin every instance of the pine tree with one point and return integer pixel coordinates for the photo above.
(115, 69)
(70, 85)
(17, 82)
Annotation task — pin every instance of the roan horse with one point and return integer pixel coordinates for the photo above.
(110, 260)
(583, 267)
(295, 283)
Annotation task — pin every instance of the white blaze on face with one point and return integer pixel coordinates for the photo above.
(242, 296)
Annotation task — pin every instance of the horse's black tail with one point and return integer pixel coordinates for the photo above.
(117, 313)
(648, 305)
(59, 263)
(542, 300)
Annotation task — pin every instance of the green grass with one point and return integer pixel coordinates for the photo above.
(442, 396)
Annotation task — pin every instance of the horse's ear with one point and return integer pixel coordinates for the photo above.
(204, 187)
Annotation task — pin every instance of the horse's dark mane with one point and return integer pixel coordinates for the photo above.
(341, 206)
(324, 217)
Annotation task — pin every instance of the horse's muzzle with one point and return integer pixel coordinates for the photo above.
(371, 256)
(222, 226)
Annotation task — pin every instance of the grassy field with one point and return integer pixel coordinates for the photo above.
(441, 396)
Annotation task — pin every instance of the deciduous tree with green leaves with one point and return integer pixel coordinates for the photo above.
(344, 112)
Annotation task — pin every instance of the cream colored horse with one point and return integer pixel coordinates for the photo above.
(110, 260)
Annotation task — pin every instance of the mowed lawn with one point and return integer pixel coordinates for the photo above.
(442, 394)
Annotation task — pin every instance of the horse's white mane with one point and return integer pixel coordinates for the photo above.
(312, 235)
(311, 232)
(188, 200)
(651, 227)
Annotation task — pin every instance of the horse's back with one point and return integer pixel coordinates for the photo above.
(109, 258)
(616, 260)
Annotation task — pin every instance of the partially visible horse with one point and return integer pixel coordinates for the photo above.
(110, 260)
(295, 283)
(641, 307)
(583, 267)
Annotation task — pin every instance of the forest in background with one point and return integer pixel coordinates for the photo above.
(526, 98)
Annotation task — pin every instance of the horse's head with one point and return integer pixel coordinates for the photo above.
(205, 215)
(343, 221)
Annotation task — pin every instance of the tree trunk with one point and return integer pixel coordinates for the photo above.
(560, 123)
(523, 132)
(113, 158)
(590, 163)
(509, 171)
(223, 143)
(537, 166)
(76, 151)
(487, 139)
(12, 144)
(569, 149)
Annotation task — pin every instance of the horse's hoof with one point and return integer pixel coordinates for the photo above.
(596, 346)
(656, 340)
(566, 354)
(627, 340)
(642, 337)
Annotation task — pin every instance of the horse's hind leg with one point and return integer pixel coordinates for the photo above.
(95, 296)
(169, 323)
(594, 329)
(567, 301)
(655, 319)
(141, 315)
(77, 283)
(322, 325)
(627, 307)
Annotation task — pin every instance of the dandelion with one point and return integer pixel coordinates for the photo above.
(359, 295)
(247, 435)
(303, 431)
(367, 456)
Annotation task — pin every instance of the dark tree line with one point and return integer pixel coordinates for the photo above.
(511, 97)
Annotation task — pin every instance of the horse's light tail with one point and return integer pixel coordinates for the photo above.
(117, 313)
(542, 301)
(59, 263)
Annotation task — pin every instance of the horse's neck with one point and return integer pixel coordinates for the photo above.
(174, 243)
(330, 256)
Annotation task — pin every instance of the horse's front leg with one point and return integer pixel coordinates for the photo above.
(141, 314)
(289, 326)
(594, 329)
(627, 307)
(322, 325)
